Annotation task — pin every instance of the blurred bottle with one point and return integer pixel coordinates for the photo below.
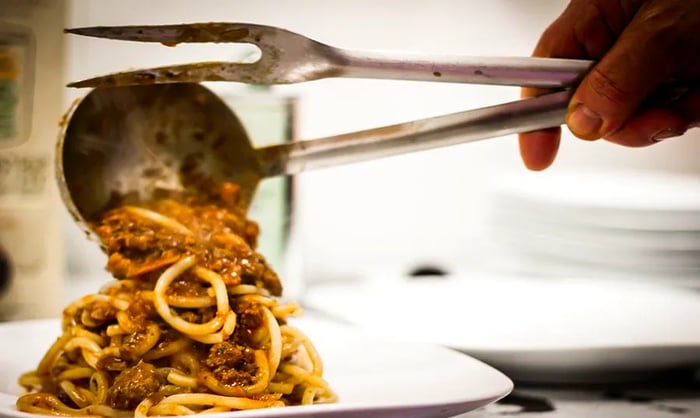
(269, 118)
(31, 105)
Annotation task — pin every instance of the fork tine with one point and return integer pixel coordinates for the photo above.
(174, 34)
(190, 73)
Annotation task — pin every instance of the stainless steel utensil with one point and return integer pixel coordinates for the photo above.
(288, 57)
(153, 129)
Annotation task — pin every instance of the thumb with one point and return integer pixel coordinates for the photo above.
(613, 91)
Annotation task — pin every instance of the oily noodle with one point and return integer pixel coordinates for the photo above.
(287, 364)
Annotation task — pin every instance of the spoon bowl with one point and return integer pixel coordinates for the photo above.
(129, 143)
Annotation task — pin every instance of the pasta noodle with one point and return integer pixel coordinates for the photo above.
(192, 324)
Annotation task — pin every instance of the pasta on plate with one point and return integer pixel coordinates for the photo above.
(192, 324)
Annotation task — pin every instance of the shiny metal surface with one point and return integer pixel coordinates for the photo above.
(289, 57)
(131, 142)
(458, 128)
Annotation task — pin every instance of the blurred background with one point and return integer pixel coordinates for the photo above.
(466, 219)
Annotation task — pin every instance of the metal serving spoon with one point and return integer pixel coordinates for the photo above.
(134, 140)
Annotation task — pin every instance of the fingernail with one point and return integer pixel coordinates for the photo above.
(584, 122)
(665, 134)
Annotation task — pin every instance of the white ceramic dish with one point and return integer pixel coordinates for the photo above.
(519, 262)
(639, 200)
(599, 253)
(515, 221)
(373, 376)
(537, 330)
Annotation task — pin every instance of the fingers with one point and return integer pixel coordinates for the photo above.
(655, 125)
(649, 127)
(563, 38)
(688, 107)
(653, 46)
(580, 31)
(539, 149)
(615, 88)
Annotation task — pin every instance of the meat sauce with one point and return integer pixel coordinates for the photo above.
(140, 250)
(224, 241)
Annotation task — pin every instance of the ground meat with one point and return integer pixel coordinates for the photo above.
(250, 319)
(141, 310)
(101, 311)
(232, 364)
(225, 354)
(272, 282)
(119, 265)
(143, 241)
(221, 238)
(111, 364)
(243, 375)
(187, 286)
(167, 336)
(251, 233)
(133, 385)
(218, 259)
(253, 268)
(230, 193)
(133, 344)
(250, 316)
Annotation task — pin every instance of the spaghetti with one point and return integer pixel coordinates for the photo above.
(192, 323)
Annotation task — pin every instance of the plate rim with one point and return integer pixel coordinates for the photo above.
(506, 384)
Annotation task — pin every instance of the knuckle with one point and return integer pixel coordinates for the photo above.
(606, 87)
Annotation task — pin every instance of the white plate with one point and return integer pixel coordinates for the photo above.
(515, 221)
(628, 190)
(373, 375)
(520, 262)
(545, 330)
(597, 252)
(615, 198)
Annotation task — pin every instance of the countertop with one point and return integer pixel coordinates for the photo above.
(674, 396)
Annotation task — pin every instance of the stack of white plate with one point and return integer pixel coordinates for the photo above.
(616, 224)
(538, 330)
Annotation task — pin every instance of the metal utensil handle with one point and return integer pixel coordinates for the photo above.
(521, 116)
(511, 71)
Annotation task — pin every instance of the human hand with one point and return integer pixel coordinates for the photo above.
(638, 45)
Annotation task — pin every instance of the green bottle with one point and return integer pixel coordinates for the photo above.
(9, 92)
(16, 64)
